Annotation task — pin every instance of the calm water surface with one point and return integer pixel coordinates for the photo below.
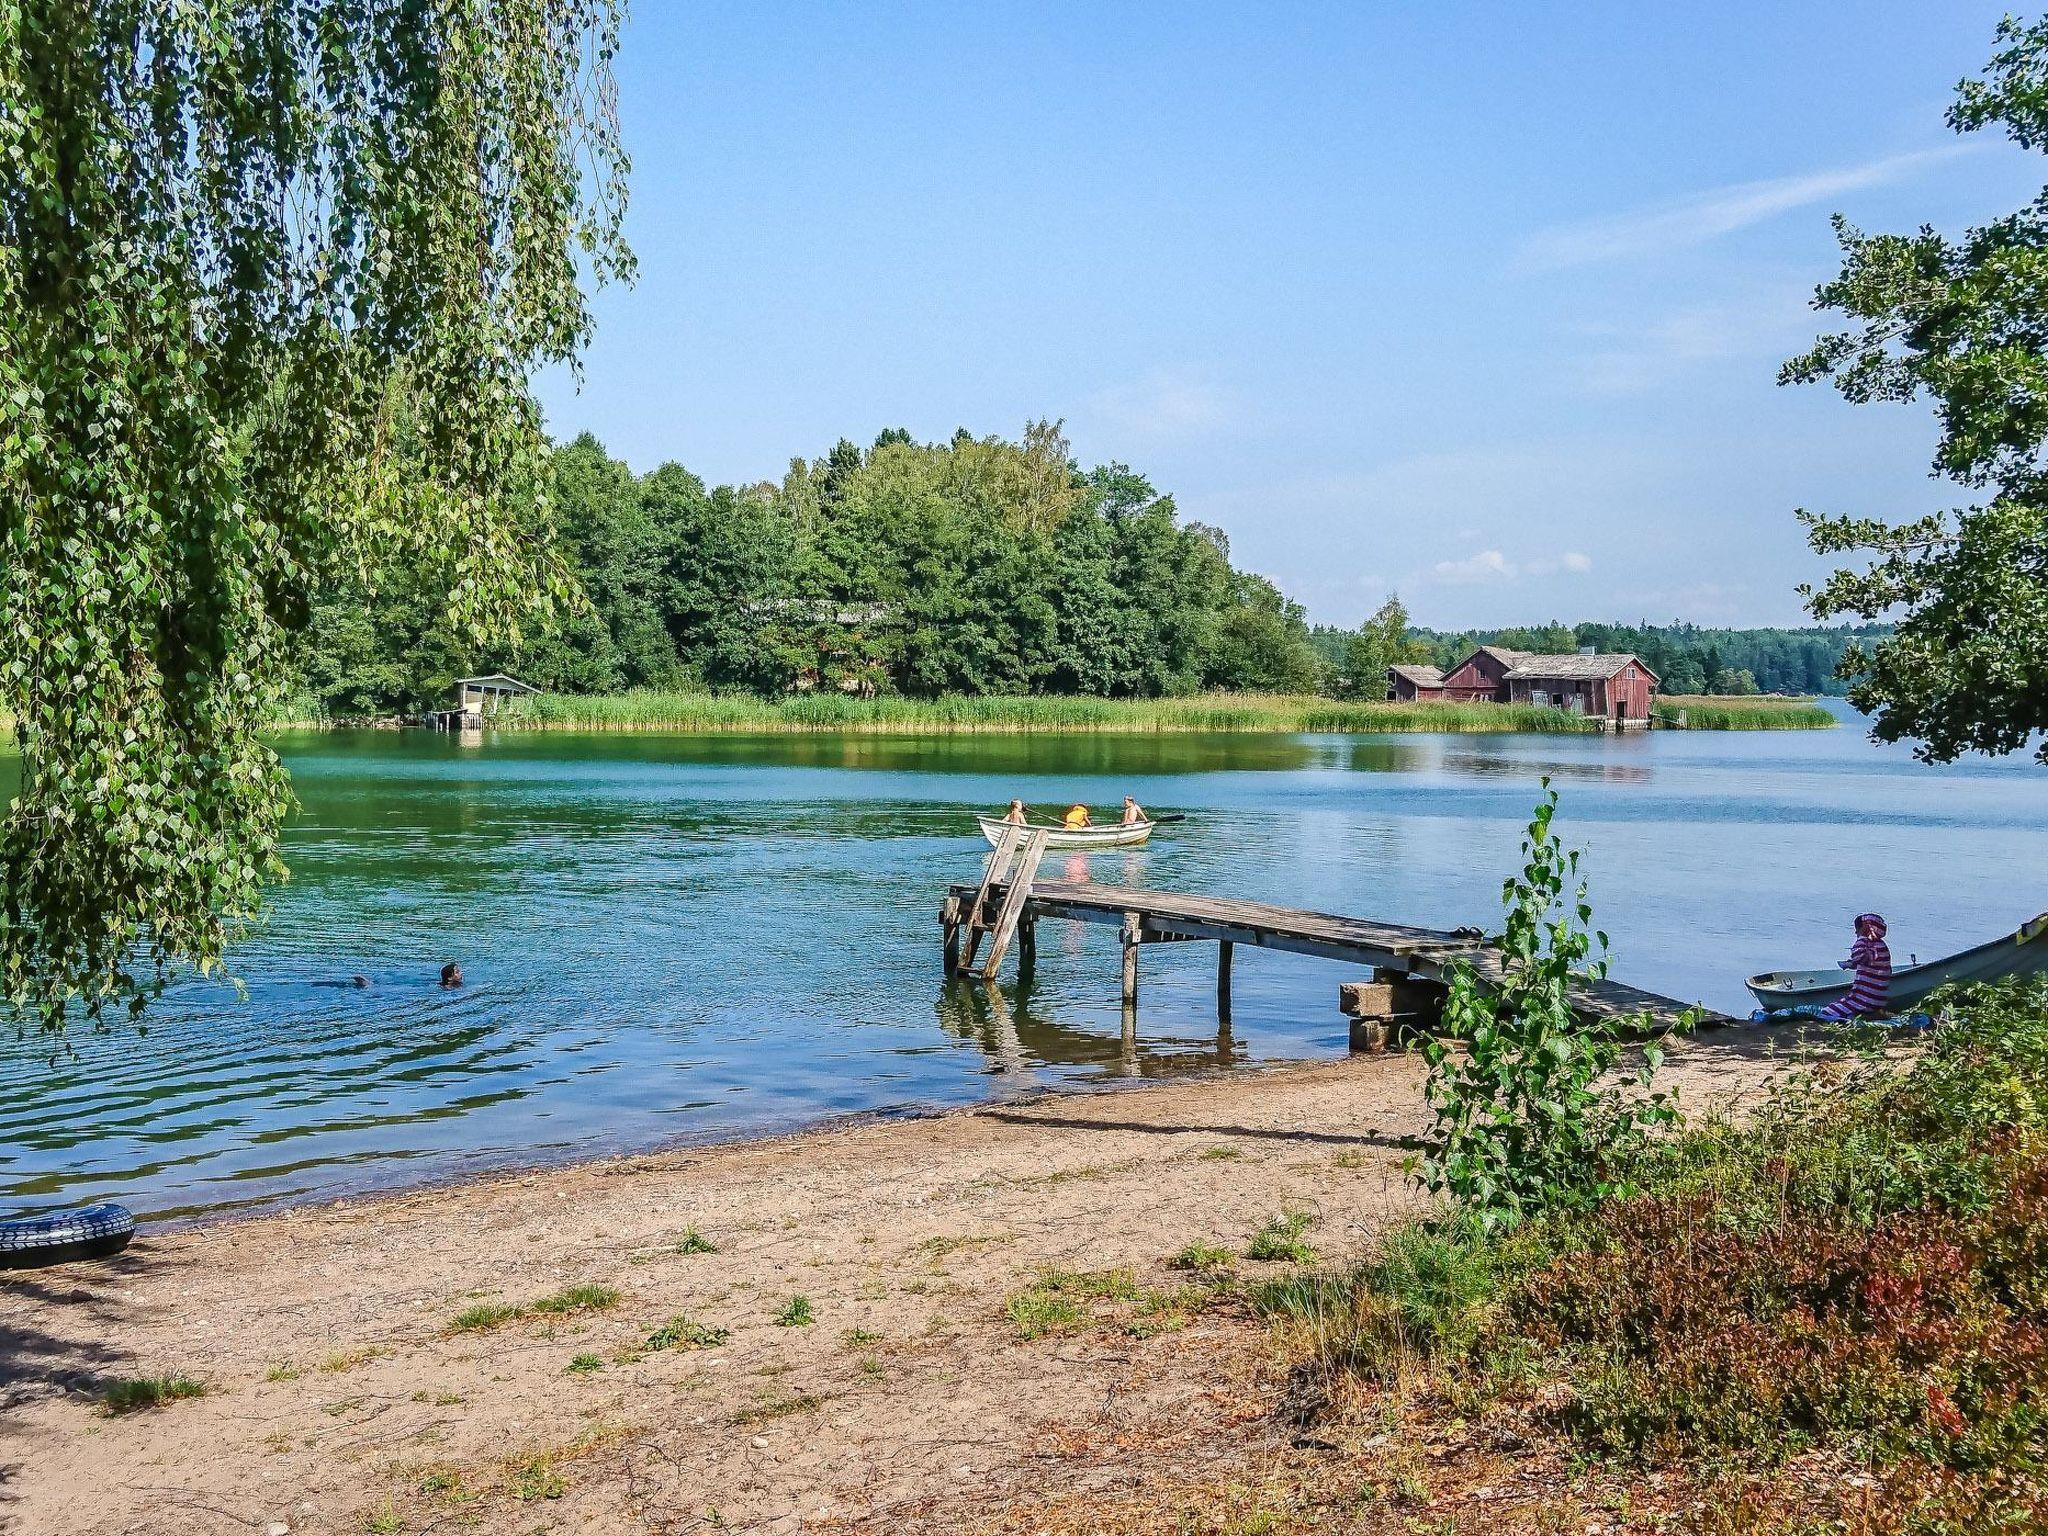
(674, 938)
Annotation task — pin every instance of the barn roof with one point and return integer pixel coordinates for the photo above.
(1528, 668)
(1422, 677)
(500, 680)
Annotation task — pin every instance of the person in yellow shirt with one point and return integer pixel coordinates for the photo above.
(1076, 818)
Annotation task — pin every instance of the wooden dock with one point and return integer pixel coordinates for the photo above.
(1008, 903)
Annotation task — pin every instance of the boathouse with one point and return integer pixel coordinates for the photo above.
(1615, 687)
(477, 699)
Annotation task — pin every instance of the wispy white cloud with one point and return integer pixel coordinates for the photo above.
(1486, 565)
(1163, 403)
(1491, 565)
(1626, 358)
(1703, 216)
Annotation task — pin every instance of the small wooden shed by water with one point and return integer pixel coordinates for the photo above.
(477, 699)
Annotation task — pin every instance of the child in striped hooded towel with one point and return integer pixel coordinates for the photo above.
(1871, 960)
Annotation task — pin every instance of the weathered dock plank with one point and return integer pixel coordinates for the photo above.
(1398, 948)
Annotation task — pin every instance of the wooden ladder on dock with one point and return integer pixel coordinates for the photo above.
(1012, 865)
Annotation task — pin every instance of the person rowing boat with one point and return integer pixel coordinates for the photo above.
(1076, 818)
(1134, 813)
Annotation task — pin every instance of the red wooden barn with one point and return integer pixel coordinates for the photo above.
(1616, 687)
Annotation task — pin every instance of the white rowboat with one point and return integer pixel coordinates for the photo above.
(2019, 953)
(992, 828)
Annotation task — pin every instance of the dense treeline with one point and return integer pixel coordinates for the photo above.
(973, 566)
(1686, 658)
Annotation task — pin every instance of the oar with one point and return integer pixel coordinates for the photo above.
(1174, 816)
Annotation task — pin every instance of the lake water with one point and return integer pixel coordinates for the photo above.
(672, 938)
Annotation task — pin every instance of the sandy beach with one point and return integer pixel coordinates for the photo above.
(846, 1356)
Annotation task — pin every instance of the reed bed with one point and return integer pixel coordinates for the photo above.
(1709, 712)
(656, 711)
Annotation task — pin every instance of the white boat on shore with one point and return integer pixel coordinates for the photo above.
(2020, 953)
(1118, 836)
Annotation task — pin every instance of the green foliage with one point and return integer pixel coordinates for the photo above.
(1281, 1240)
(130, 1394)
(576, 1298)
(645, 710)
(974, 567)
(1204, 1259)
(680, 1332)
(796, 1313)
(482, 1317)
(1524, 1122)
(487, 1315)
(1719, 714)
(1064, 1300)
(1855, 1277)
(272, 280)
(1382, 641)
(1964, 323)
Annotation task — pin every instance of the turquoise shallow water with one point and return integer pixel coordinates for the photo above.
(671, 938)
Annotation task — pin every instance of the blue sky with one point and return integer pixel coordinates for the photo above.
(1481, 304)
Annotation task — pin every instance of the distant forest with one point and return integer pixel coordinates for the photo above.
(1685, 657)
(970, 566)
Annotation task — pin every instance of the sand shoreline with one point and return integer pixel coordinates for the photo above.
(906, 1112)
(342, 1396)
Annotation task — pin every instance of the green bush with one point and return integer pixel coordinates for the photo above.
(1528, 1118)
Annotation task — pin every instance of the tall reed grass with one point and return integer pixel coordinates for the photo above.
(1712, 712)
(656, 711)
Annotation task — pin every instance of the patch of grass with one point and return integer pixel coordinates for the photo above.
(1281, 1241)
(482, 1317)
(1740, 712)
(1203, 1259)
(576, 1298)
(939, 1247)
(679, 1332)
(1168, 1311)
(870, 1367)
(384, 1522)
(537, 1477)
(132, 1394)
(1064, 1300)
(694, 1241)
(582, 1365)
(349, 1359)
(438, 1399)
(649, 709)
(796, 1313)
(566, 1302)
(777, 1408)
(284, 1370)
(1221, 1154)
(440, 1482)
(859, 1338)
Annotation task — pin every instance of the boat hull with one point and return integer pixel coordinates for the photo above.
(1073, 837)
(2020, 953)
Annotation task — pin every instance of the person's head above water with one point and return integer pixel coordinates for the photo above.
(451, 975)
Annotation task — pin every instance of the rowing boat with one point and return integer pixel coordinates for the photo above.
(1072, 837)
(2020, 953)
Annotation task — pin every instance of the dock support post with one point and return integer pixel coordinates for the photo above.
(1225, 952)
(1027, 946)
(949, 925)
(1131, 941)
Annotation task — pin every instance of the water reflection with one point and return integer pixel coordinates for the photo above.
(692, 937)
(1018, 1030)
